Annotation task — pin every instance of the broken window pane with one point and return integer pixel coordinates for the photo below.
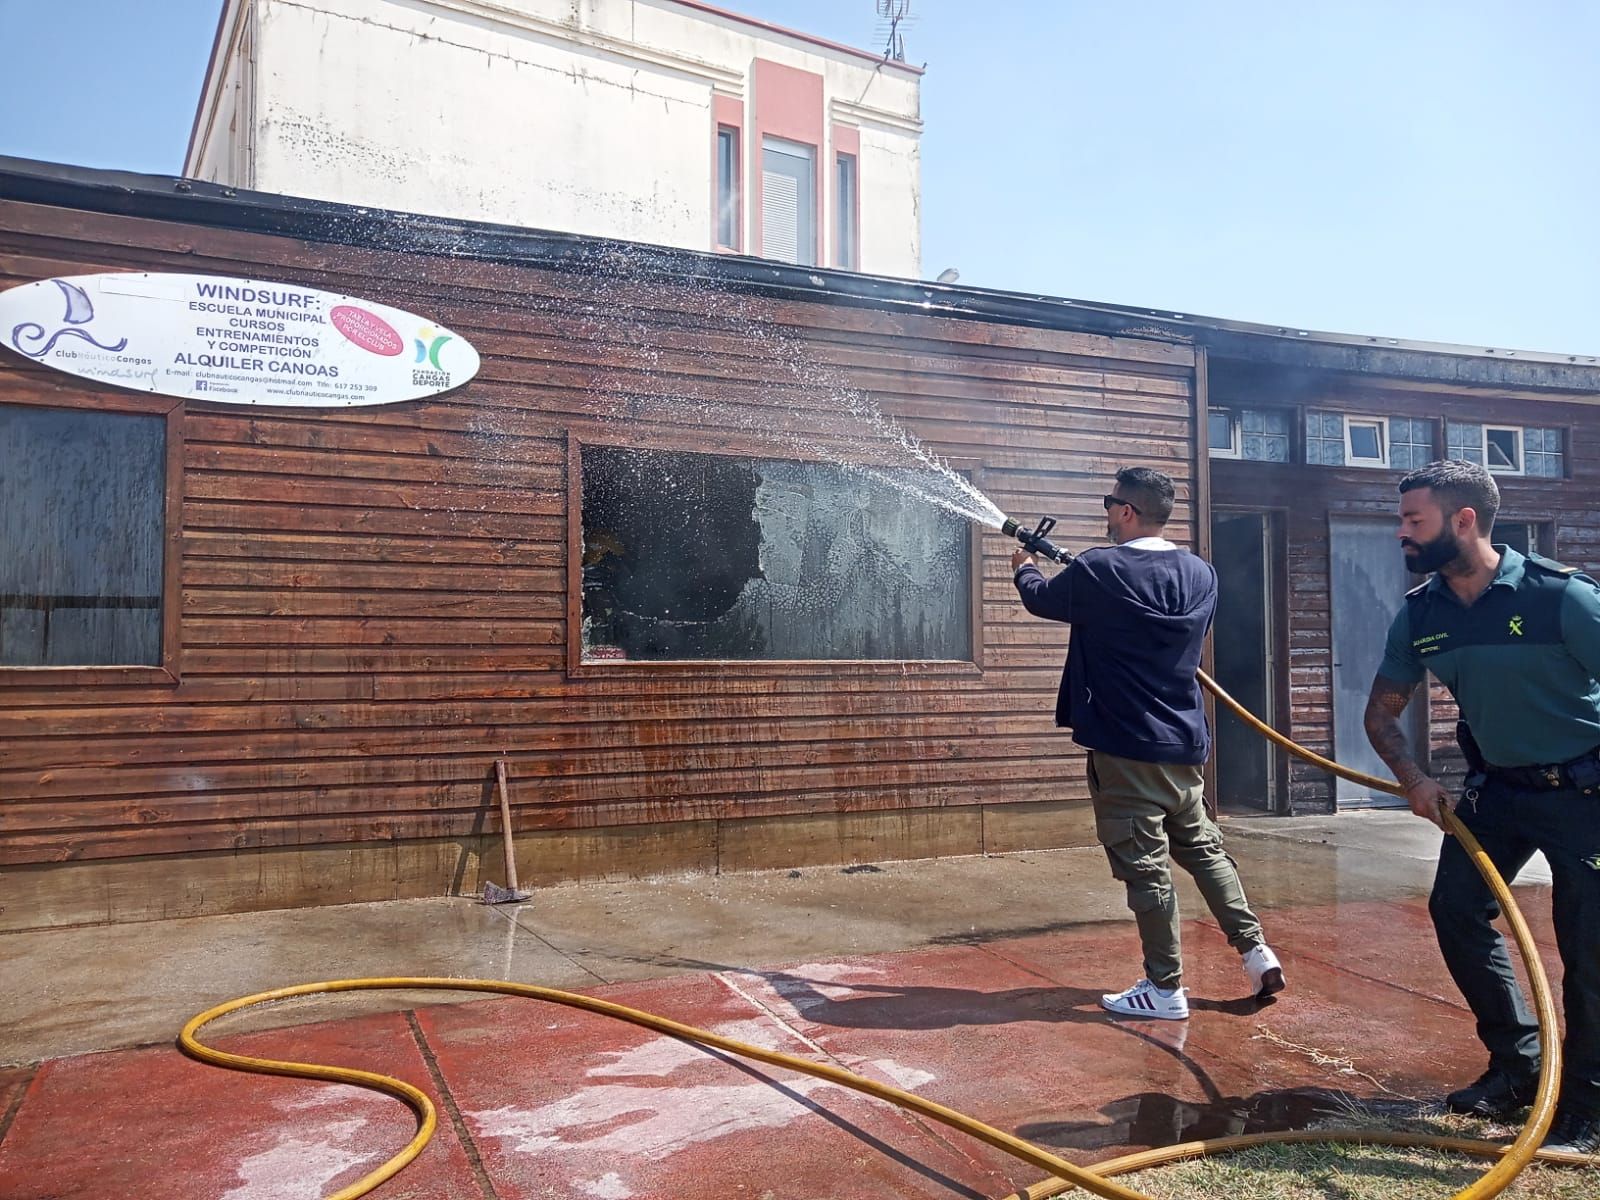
(1503, 449)
(693, 556)
(82, 497)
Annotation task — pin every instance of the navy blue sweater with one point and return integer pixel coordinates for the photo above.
(1139, 619)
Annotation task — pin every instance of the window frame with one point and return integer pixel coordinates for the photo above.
(1381, 424)
(1235, 433)
(577, 667)
(1431, 446)
(1542, 531)
(809, 247)
(167, 673)
(1522, 449)
(736, 199)
(847, 220)
(1564, 436)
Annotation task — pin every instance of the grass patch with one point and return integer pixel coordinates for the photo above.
(1347, 1172)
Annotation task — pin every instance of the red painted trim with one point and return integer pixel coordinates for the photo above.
(846, 140)
(789, 105)
(727, 112)
(741, 19)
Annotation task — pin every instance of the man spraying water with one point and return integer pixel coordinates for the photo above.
(1140, 610)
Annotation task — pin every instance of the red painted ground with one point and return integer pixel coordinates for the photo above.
(560, 1104)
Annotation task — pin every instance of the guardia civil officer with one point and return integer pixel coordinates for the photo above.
(1516, 639)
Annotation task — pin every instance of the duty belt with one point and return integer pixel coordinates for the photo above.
(1579, 774)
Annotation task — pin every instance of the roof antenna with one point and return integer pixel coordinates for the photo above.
(891, 15)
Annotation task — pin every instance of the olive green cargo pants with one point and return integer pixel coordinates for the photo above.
(1146, 814)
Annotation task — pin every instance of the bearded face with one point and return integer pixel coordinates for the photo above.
(1425, 557)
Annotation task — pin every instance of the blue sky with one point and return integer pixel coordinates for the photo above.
(1421, 170)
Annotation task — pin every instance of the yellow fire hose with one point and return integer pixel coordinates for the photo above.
(1098, 1180)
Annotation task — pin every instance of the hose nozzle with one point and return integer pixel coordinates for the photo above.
(1034, 540)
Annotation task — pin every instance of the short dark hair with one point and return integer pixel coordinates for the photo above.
(1149, 491)
(1458, 484)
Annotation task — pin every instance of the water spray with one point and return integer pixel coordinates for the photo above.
(1034, 540)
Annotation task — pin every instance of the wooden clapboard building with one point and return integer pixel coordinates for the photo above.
(255, 657)
(1307, 447)
(264, 657)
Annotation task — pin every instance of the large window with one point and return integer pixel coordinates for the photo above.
(82, 521)
(693, 556)
(789, 202)
(727, 187)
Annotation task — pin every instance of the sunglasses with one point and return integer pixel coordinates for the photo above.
(1108, 501)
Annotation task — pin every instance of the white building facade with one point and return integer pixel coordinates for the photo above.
(662, 121)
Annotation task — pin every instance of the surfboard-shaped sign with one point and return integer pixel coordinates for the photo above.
(234, 341)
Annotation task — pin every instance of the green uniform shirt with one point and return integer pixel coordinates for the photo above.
(1523, 662)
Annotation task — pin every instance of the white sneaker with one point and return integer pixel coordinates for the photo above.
(1261, 967)
(1145, 999)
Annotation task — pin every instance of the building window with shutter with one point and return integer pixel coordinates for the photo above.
(788, 202)
(847, 214)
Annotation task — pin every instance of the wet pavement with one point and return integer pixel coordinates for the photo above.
(970, 981)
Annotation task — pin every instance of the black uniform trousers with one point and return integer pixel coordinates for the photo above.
(1511, 824)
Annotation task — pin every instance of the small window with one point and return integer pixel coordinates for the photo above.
(82, 520)
(704, 557)
(1366, 441)
(1464, 441)
(1502, 449)
(789, 202)
(1543, 453)
(847, 214)
(1222, 432)
(1411, 443)
(1325, 446)
(1525, 537)
(727, 187)
(1264, 435)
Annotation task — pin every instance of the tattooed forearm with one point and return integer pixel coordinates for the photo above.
(1386, 702)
